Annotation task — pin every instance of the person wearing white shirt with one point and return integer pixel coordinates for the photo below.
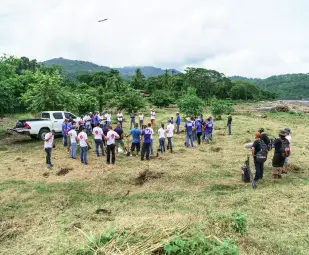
(83, 143)
(48, 145)
(98, 139)
(108, 119)
(170, 133)
(153, 117)
(141, 120)
(73, 138)
(286, 160)
(120, 117)
(161, 132)
(110, 141)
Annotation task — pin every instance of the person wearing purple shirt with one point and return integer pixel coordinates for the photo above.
(209, 129)
(199, 131)
(146, 134)
(177, 122)
(189, 129)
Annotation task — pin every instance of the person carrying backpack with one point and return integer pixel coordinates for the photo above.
(259, 153)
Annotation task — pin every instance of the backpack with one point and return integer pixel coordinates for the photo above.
(261, 156)
(285, 148)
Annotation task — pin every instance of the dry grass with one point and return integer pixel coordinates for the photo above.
(44, 213)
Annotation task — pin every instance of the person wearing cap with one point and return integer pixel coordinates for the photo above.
(48, 145)
(256, 147)
(132, 119)
(286, 160)
(64, 131)
(278, 158)
(170, 132)
(153, 117)
(73, 140)
(141, 120)
(83, 143)
(189, 129)
(177, 123)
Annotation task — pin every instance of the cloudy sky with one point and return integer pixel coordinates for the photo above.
(254, 38)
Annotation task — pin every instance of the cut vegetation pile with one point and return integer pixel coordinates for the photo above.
(147, 175)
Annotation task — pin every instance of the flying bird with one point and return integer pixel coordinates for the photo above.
(102, 20)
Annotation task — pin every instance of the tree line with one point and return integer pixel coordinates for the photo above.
(25, 83)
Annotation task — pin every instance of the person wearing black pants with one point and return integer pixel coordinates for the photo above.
(199, 134)
(110, 141)
(111, 149)
(259, 167)
(48, 145)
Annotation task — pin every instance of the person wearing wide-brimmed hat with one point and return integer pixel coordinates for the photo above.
(278, 158)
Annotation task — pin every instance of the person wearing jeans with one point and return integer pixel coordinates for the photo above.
(73, 139)
(132, 119)
(177, 123)
(111, 144)
(98, 139)
(170, 132)
(48, 145)
(146, 134)
(162, 138)
(83, 143)
(189, 128)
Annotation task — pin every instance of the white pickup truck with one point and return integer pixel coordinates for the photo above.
(37, 128)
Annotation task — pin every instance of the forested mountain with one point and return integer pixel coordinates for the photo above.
(287, 86)
(74, 68)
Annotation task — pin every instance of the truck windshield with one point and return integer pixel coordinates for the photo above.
(45, 115)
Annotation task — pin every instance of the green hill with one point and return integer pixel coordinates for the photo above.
(74, 68)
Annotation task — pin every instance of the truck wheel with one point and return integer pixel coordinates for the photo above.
(42, 133)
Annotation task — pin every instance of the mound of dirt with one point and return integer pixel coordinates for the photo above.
(146, 176)
(64, 171)
(46, 174)
(215, 149)
(282, 108)
(103, 211)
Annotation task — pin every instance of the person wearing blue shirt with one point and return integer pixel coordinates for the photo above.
(136, 139)
(172, 120)
(202, 118)
(177, 123)
(96, 118)
(189, 129)
(199, 131)
(146, 134)
(194, 137)
(64, 131)
(209, 129)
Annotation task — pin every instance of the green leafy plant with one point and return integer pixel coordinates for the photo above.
(239, 223)
(191, 104)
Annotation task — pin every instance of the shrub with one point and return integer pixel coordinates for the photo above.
(239, 223)
(219, 107)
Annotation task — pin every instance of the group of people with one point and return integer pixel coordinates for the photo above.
(282, 149)
(109, 140)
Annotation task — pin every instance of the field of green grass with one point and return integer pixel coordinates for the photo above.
(190, 202)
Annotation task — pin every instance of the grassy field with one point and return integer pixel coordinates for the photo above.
(192, 201)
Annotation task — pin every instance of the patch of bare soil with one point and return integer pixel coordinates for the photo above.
(146, 176)
(64, 171)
